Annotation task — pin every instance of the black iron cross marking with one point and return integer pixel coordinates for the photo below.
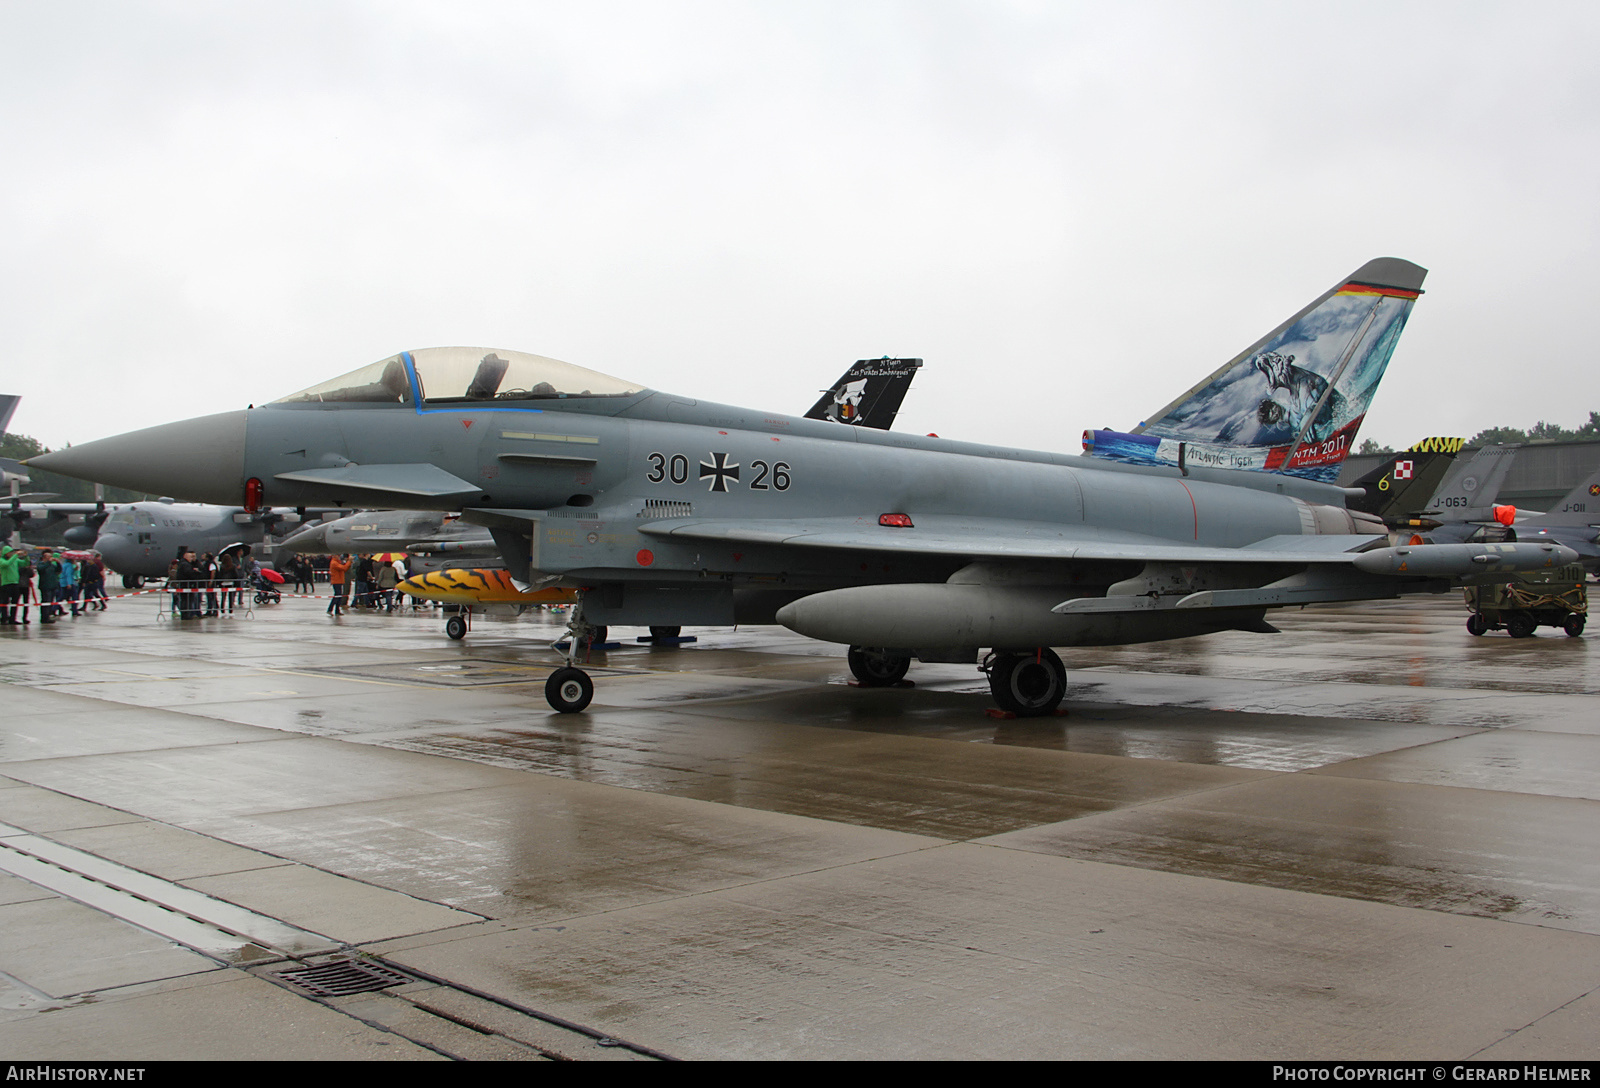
(722, 472)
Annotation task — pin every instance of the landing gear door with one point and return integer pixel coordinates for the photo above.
(519, 547)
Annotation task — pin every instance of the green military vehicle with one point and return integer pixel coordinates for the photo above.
(1555, 598)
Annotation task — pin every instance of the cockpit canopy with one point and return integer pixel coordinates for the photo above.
(449, 375)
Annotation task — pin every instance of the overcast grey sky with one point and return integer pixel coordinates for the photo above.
(1071, 211)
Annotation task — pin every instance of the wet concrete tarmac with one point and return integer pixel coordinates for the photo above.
(1370, 836)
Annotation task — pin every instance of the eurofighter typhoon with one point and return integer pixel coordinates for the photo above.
(667, 510)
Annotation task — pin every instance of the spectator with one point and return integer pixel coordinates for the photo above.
(10, 584)
(190, 579)
(49, 586)
(338, 567)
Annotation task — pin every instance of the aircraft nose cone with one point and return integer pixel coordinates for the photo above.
(199, 460)
(312, 538)
(117, 551)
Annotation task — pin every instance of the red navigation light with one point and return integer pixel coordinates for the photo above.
(896, 521)
(252, 494)
(1505, 515)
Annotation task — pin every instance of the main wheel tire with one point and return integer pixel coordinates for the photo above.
(133, 581)
(1573, 625)
(1520, 625)
(1476, 624)
(1028, 685)
(877, 670)
(659, 633)
(598, 637)
(455, 627)
(568, 690)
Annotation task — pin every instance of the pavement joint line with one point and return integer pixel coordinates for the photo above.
(228, 673)
(29, 989)
(1244, 678)
(598, 1036)
(1514, 1032)
(211, 926)
(510, 925)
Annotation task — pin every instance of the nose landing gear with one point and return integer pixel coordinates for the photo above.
(569, 689)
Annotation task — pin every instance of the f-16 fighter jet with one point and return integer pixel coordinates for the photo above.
(1470, 513)
(666, 510)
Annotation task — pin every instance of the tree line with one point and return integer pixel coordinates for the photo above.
(1507, 436)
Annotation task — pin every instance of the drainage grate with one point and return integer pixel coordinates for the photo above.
(343, 977)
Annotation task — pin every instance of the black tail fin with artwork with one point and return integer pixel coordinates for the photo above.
(1398, 490)
(868, 394)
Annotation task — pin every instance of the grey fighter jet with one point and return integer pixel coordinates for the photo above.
(1573, 522)
(667, 510)
(1464, 503)
(421, 532)
(1465, 508)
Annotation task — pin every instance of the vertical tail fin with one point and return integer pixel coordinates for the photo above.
(1293, 401)
(1400, 487)
(868, 394)
(1580, 506)
(1469, 491)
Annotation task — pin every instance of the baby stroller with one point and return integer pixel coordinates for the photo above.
(266, 586)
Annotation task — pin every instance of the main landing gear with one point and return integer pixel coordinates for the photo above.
(1026, 683)
(876, 669)
(1030, 684)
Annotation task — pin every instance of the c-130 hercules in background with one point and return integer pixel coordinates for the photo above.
(664, 510)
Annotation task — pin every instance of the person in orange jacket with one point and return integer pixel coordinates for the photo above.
(338, 566)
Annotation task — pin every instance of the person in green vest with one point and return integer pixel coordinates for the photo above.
(11, 562)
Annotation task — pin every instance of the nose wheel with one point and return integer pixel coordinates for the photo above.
(569, 689)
